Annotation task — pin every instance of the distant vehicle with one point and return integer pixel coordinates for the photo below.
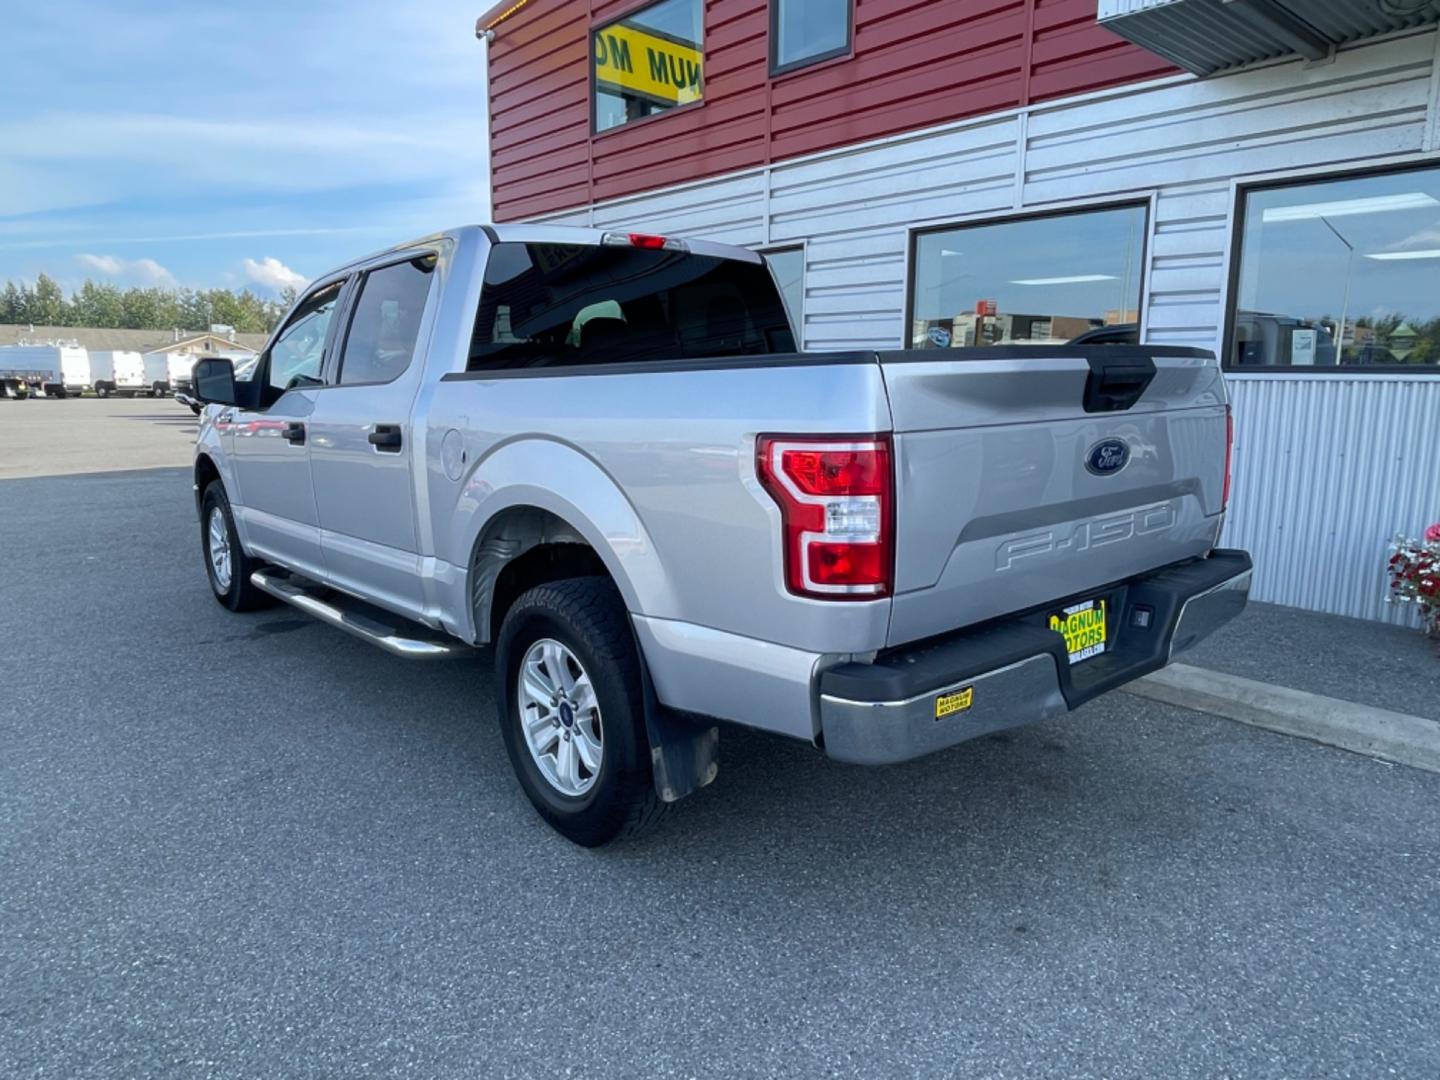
(102, 371)
(1118, 334)
(177, 372)
(43, 370)
(141, 373)
(600, 454)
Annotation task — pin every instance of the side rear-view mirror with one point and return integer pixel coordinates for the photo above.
(214, 379)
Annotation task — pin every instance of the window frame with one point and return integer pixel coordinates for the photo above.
(1241, 188)
(617, 367)
(355, 290)
(630, 125)
(1144, 201)
(345, 279)
(777, 69)
(797, 324)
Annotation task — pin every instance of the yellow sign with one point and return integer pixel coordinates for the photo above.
(642, 64)
(1083, 627)
(959, 701)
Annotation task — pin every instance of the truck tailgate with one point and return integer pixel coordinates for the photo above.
(1007, 492)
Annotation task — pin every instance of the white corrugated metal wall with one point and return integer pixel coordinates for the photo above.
(1327, 468)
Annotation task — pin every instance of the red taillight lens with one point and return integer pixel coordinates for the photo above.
(836, 499)
(1229, 452)
(642, 240)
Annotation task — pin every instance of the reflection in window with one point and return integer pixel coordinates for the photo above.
(649, 61)
(1036, 280)
(548, 305)
(386, 323)
(788, 267)
(298, 354)
(806, 31)
(1340, 272)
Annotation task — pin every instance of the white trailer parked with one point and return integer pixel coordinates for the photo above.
(42, 370)
(141, 373)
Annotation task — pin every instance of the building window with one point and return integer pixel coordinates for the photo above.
(1339, 273)
(649, 61)
(808, 31)
(787, 265)
(1058, 278)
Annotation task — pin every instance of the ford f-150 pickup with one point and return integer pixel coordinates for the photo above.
(599, 457)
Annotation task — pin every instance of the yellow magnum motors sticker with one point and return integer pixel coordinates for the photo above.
(959, 701)
(1083, 627)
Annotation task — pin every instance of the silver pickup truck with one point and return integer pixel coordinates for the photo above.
(599, 455)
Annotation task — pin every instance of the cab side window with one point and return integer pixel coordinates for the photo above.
(386, 325)
(298, 354)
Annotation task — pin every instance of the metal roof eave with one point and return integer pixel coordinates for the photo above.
(1206, 36)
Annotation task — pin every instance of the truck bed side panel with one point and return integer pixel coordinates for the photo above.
(677, 444)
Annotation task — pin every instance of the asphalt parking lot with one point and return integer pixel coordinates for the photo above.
(53, 436)
(252, 846)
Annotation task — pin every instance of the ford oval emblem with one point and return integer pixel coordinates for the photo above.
(1108, 456)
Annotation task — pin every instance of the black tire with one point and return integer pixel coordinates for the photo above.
(588, 617)
(240, 594)
(102, 391)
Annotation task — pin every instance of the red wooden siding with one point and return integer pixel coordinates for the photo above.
(916, 63)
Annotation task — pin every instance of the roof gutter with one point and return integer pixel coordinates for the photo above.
(485, 25)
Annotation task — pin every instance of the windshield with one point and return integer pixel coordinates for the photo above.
(565, 304)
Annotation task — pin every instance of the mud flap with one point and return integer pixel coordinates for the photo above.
(684, 753)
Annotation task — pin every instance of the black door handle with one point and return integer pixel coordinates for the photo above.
(295, 433)
(386, 437)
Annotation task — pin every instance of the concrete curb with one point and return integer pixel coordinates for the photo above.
(1380, 733)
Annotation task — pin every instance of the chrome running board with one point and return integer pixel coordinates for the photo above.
(402, 638)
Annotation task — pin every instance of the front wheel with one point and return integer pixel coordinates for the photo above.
(226, 564)
(572, 713)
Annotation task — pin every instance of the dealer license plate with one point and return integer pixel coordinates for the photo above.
(1083, 627)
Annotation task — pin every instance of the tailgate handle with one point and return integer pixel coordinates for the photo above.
(1116, 384)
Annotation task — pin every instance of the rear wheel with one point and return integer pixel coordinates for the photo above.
(226, 564)
(571, 711)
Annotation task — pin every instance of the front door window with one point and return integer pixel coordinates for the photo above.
(298, 355)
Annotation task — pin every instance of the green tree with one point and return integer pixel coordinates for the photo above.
(12, 304)
(47, 303)
(106, 305)
(96, 305)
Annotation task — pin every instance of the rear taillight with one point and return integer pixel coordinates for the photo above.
(1229, 454)
(837, 508)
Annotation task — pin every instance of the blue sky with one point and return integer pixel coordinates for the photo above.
(222, 144)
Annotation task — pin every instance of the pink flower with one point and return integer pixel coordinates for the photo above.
(1432, 534)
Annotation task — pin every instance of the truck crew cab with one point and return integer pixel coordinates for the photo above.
(599, 455)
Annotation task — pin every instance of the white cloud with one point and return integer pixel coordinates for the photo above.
(108, 265)
(273, 274)
(140, 271)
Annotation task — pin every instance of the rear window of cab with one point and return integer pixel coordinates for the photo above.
(548, 305)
